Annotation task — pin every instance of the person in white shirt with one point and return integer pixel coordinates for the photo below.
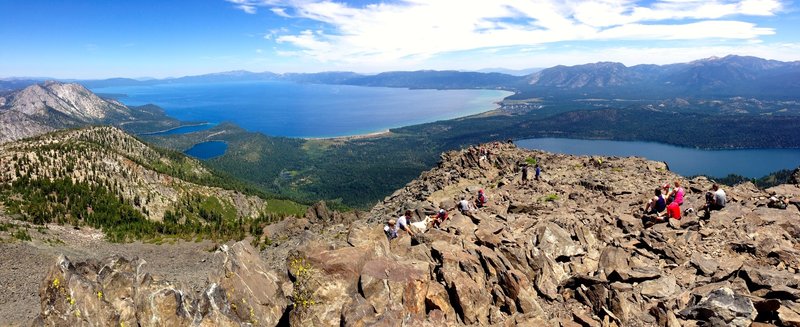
(714, 201)
(390, 229)
(402, 223)
(464, 205)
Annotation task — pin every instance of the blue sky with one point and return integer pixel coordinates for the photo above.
(147, 38)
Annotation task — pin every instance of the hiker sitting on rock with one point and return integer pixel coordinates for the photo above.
(390, 229)
(676, 194)
(666, 190)
(778, 202)
(673, 211)
(437, 221)
(402, 223)
(480, 200)
(656, 204)
(464, 206)
(714, 201)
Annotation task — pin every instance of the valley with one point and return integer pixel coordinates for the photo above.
(372, 163)
(246, 210)
(593, 102)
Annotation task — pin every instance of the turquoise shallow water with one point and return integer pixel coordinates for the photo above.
(752, 163)
(308, 110)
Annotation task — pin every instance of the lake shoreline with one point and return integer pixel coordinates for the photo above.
(350, 137)
(687, 161)
(174, 128)
(310, 111)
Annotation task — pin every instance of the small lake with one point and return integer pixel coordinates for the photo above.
(207, 150)
(752, 163)
(307, 110)
(184, 129)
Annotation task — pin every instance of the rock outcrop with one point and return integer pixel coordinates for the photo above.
(567, 250)
(795, 178)
(115, 292)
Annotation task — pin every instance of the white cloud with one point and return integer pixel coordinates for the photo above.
(628, 55)
(413, 31)
(280, 12)
(248, 9)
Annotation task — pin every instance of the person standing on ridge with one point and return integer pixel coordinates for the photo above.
(538, 172)
(524, 173)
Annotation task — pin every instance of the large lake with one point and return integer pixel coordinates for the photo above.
(751, 163)
(308, 110)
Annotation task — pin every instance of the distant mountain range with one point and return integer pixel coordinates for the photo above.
(515, 72)
(727, 76)
(41, 108)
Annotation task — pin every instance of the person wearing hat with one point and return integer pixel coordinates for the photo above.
(480, 201)
(437, 221)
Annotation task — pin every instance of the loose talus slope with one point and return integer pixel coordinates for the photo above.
(562, 251)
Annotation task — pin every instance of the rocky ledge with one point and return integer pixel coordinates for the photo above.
(566, 250)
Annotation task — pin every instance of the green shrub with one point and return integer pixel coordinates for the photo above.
(303, 294)
(22, 235)
(550, 197)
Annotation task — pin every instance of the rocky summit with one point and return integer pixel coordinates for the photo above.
(565, 250)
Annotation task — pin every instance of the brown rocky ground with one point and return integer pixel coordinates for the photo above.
(564, 251)
(23, 265)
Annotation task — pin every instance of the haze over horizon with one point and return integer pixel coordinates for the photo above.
(88, 39)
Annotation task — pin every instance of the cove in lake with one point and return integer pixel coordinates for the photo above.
(208, 150)
(308, 110)
(752, 163)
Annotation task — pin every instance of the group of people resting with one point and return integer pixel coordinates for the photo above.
(668, 199)
(465, 206)
(393, 227)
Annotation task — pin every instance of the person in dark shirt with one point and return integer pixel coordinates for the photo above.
(656, 204)
(524, 173)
